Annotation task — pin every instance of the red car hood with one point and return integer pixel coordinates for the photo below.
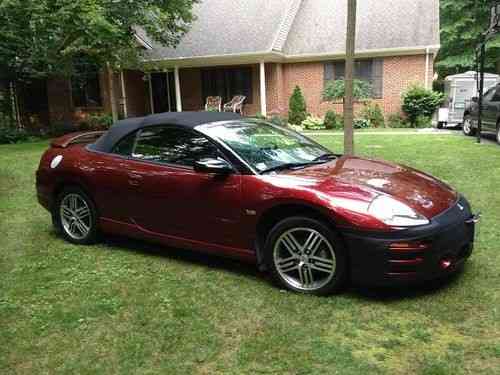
(420, 191)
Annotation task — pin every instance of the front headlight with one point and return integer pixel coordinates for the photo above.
(392, 212)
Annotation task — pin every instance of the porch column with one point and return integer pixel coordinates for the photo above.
(151, 102)
(263, 99)
(124, 94)
(178, 99)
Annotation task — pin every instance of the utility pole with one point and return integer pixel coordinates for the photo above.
(349, 81)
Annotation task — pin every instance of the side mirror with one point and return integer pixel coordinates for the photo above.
(475, 99)
(217, 166)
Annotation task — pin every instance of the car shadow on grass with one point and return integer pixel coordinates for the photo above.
(394, 293)
(237, 267)
(189, 257)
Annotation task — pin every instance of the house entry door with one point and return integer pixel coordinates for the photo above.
(163, 92)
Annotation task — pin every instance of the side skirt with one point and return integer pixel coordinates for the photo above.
(136, 231)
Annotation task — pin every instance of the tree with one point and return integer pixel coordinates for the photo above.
(335, 90)
(349, 73)
(297, 111)
(43, 37)
(462, 24)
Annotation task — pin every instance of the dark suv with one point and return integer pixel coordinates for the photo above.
(491, 113)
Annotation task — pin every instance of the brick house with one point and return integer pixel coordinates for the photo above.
(263, 49)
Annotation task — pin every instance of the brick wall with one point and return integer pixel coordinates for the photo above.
(399, 73)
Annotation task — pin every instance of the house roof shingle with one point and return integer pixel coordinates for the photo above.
(302, 27)
(320, 26)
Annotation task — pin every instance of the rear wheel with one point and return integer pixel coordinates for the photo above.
(498, 134)
(305, 255)
(75, 216)
(467, 127)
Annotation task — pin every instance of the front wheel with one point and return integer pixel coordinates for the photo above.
(75, 216)
(305, 255)
(467, 127)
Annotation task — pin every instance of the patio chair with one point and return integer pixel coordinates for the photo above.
(235, 105)
(214, 103)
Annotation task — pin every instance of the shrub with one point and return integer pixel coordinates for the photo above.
(259, 116)
(372, 113)
(297, 111)
(335, 90)
(396, 120)
(100, 121)
(418, 101)
(313, 123)
(333, 120)
(60, 128)
(361, 123)
(423, 122)
(12, 135)
(278, 120)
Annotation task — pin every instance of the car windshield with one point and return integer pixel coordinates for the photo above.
(266, 147)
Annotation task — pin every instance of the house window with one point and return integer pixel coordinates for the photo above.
(370, 70)
(86, 90)
(227, 82)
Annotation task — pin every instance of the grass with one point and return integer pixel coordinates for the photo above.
(129, 307)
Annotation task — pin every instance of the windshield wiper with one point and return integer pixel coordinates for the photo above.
(326, 157)
(290, 166)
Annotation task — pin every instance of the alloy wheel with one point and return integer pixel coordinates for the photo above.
(304, 259)
(467, 127)
(75, 216)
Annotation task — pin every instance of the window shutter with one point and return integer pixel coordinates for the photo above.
(329, 76)
(339, 70)
(378, 77)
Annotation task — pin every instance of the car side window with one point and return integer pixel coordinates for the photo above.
(172, 145)
(496, 96)
(125, 146)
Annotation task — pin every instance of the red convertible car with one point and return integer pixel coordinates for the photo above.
(244, 188)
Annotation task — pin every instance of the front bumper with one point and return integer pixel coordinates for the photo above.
(416, 254)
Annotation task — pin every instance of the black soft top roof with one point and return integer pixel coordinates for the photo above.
(188, 120)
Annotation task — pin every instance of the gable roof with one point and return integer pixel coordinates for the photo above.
(320, 26)
(281, 29)
(228, 27)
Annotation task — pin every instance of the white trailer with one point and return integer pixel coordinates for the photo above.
(459, 89)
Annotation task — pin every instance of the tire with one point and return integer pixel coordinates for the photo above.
(75, 217)
(498, 133)
(467, 126)
(319, 269)
(440, 125)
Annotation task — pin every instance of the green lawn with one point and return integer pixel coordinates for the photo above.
(131, 308)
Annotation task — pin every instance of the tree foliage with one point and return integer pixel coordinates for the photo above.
(335, 90)
(297, 111)
(44, 37)
(462, 24)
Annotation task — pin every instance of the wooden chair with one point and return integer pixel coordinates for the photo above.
(235, 105)
(214, 103)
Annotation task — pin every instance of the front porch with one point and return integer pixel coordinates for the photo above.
(186, 89)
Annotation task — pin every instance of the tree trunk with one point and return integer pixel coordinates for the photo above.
(349, 82)
(112, 96)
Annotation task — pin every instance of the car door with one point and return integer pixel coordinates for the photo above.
(492, 110)
(491, 102)
(168, 197)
